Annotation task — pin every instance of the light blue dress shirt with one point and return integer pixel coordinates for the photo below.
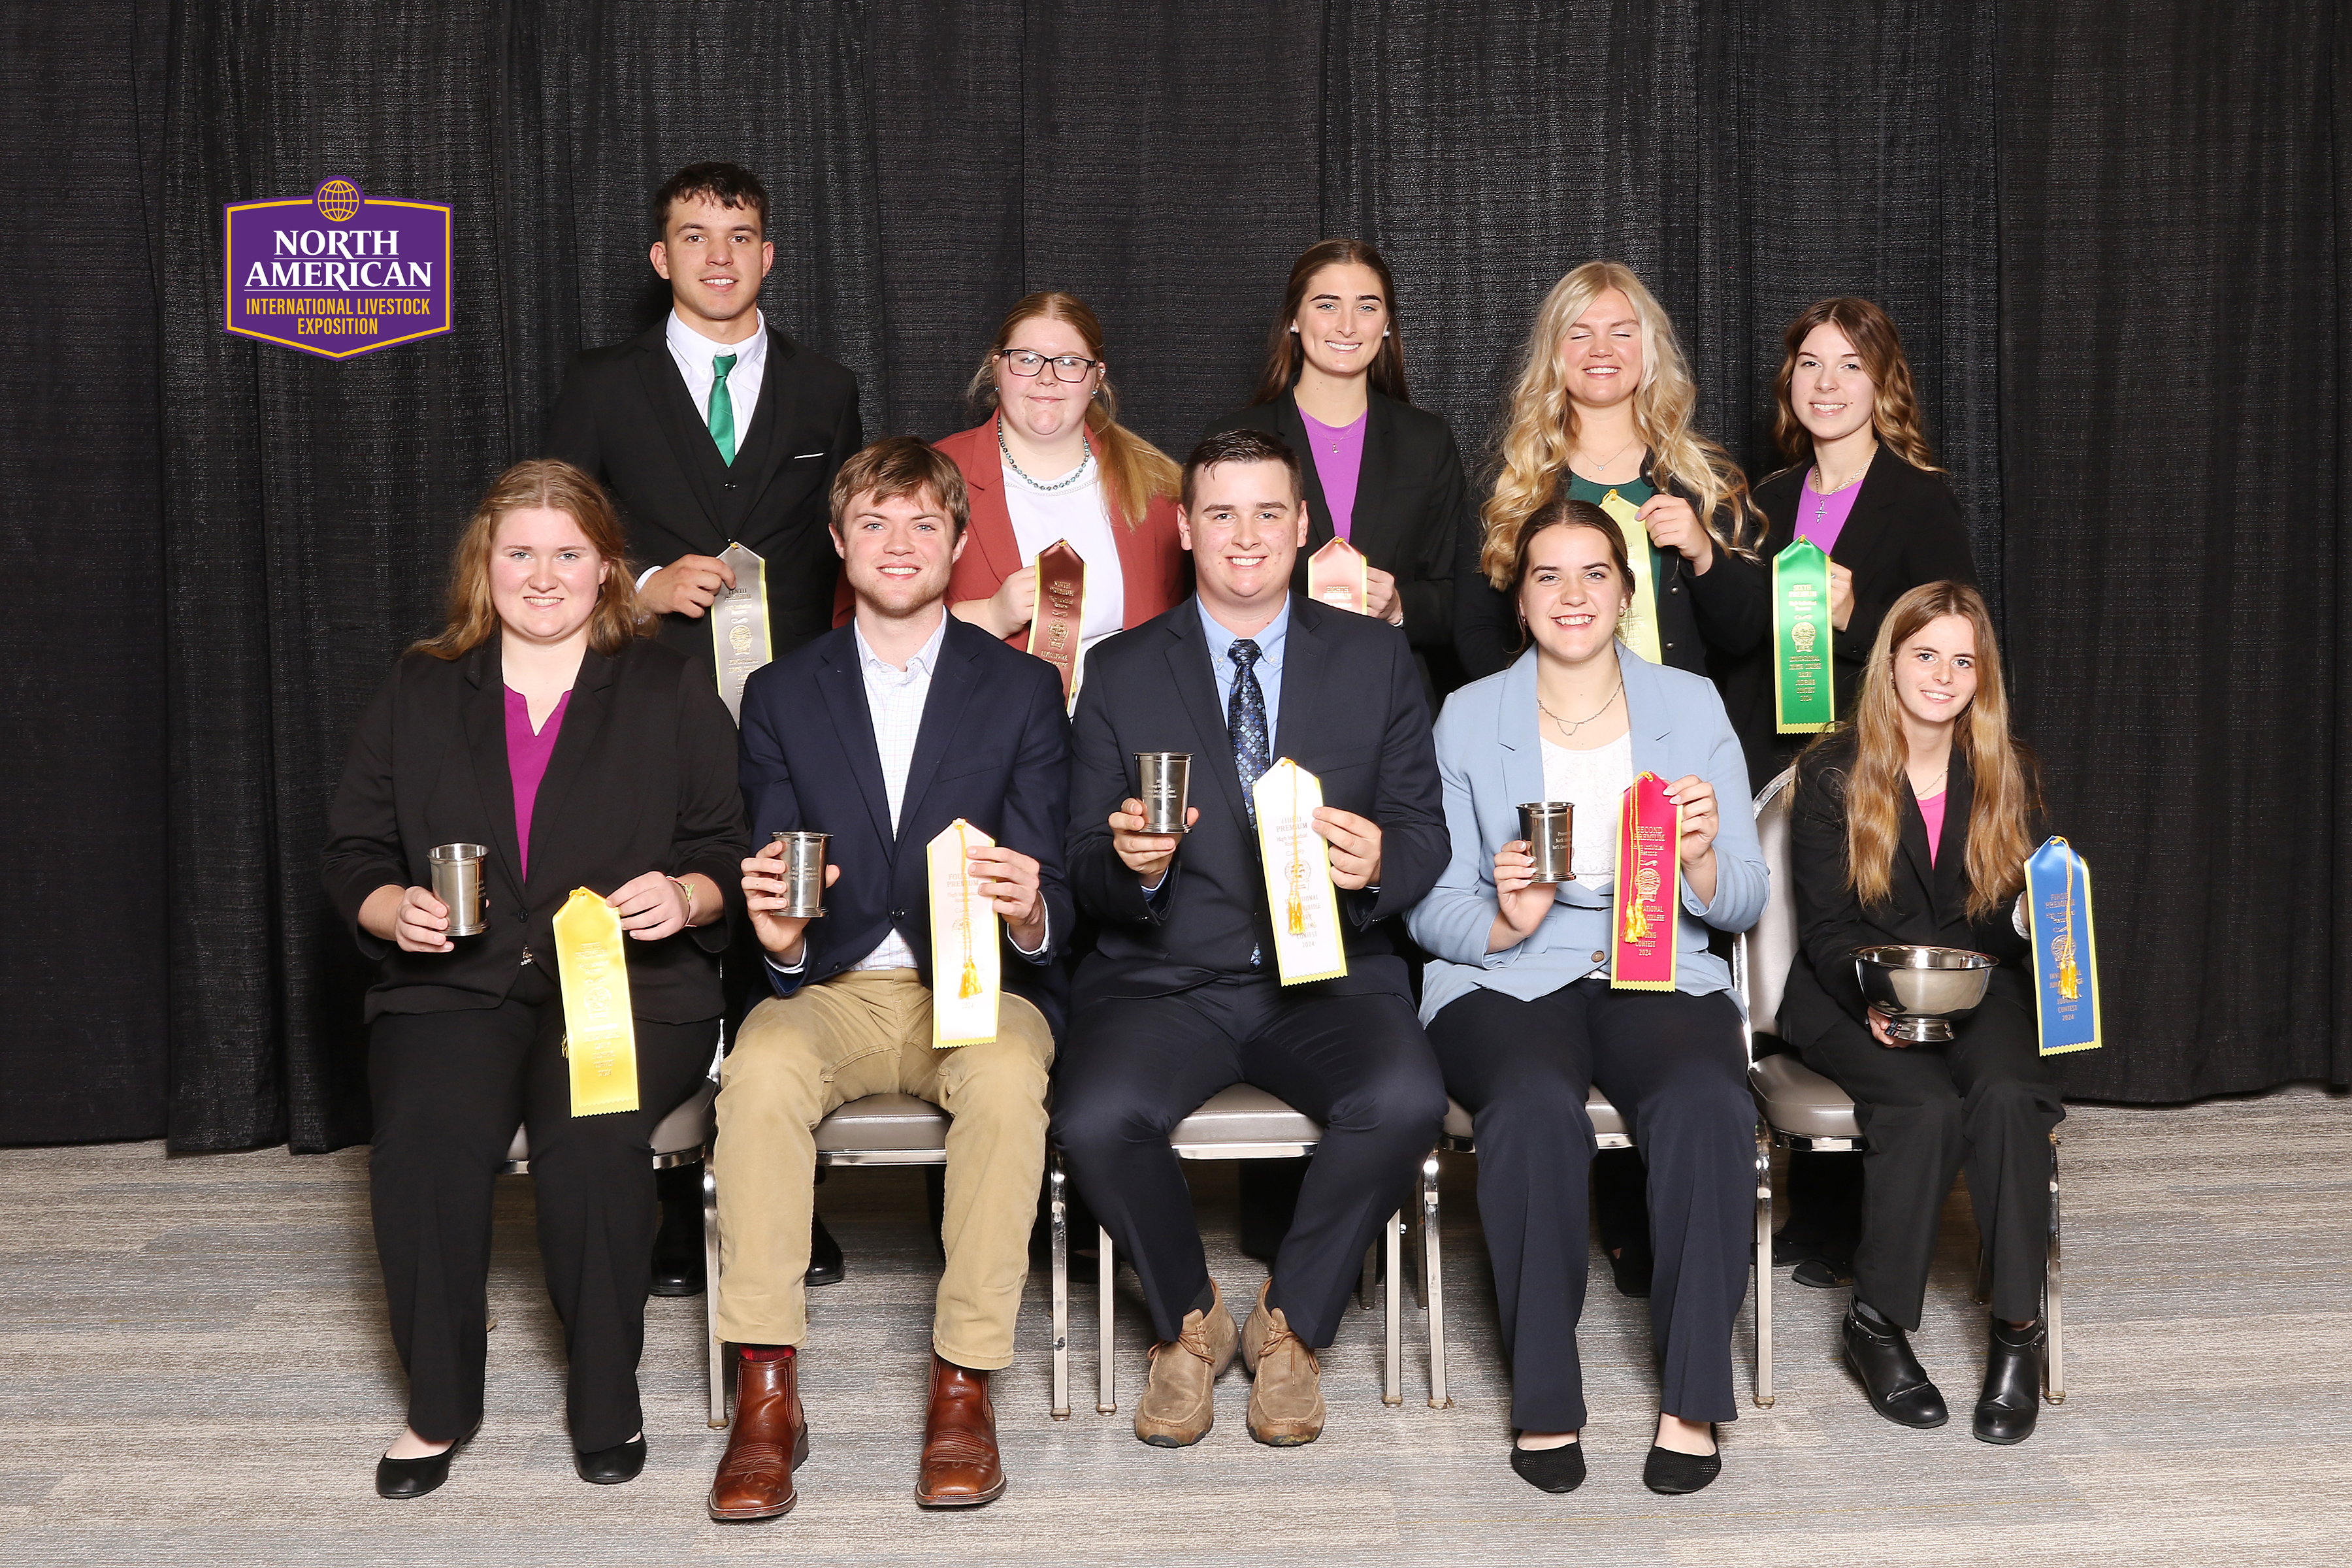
(1269, 668)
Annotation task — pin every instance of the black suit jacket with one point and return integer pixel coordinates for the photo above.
(1412, 508)
(642, 779)
(992, 748)
(1927, 904)
(625, 416)
(1696, 614)
(1351, 714)
(1904, 530)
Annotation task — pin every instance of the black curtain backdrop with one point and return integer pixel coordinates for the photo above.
(2116, 239)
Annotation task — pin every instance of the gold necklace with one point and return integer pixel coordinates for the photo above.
(1567, 728)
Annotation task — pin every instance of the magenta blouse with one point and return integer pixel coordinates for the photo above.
(527, 756)
(1931, 812)
(1821, 517)
(1339, 460)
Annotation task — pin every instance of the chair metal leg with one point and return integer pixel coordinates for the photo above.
(1433, 1284)
(2053, 1363)
(712, 1346)
(1764, 1394)
(1106, 1383)
(1057, 1206)
(1392, 1310)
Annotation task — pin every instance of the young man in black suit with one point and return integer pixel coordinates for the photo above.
(715, 430)
(885, 734)
(1182, 996)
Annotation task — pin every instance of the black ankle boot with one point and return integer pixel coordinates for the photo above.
(1897, 1384)
(2012, 1385)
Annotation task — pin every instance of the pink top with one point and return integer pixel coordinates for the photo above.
(527, 754)
(1821, 517)
(1931, 812)
(1339, 460)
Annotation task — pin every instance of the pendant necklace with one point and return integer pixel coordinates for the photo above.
(1602, 465)
(1822, 497)
(1570, 727)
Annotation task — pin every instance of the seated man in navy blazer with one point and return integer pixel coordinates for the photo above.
(883, 733)
(1182, 997)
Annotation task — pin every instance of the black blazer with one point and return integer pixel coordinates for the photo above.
(992, 748)
(1904, 530)
(1696, 613)
(642, 779)
(1351, 714)
(1927, 902)
(625, 416)
(1412, 506)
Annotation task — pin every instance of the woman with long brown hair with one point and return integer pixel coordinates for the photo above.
(1379, 473)
(1604, 405)
(1912, 824)
(542, 725)
(1054, 463)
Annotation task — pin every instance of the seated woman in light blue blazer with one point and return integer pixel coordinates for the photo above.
(1519, 1004)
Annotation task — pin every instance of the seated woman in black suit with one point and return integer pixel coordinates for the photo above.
(1912, 825)
(541, 723)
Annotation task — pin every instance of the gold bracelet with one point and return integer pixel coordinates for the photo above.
(688, 888)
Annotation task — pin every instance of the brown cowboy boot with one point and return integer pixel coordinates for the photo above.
(1179, 1405)
(766, 1444)
(960, 1466)
(1286, 1403)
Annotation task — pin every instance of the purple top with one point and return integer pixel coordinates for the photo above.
(1338, 459)
(1821, 517)
(527, 756)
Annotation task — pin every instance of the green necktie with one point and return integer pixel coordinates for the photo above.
(722, 407)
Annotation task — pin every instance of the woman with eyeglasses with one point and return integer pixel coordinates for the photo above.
(1052, 463)
(1381, 474)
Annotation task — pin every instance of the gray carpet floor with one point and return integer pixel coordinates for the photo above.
(193, 1368)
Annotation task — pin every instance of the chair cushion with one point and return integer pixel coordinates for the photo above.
(880, 1122)
(688, 1128)
(1244, 1114)
(1605, 1117)
(1795, 1099)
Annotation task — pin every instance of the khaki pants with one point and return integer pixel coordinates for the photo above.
(869, 1031)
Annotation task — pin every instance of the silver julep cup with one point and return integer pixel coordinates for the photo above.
(1549, 827)
(1166, 781)
(804, 873)
(458, 882)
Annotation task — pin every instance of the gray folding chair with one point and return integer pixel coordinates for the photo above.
(1806, 1110)
(1243, 1122)
(681, 1138)
(878, 1130)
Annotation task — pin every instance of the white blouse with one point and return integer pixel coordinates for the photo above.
(1078, 513)
(1595, 782)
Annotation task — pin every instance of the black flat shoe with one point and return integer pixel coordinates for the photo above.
(1631, 1267)
(611, 1466)
(1897, 1384)
(1823, 1273)
(1670, 1474)
(2012, 1399)
(401, 1479)
(824, 1255)
(1559, 1469)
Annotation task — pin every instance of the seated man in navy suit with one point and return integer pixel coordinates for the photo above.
(1182, 997)
(883, 733)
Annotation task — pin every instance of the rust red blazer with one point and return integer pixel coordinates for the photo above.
(1152, 562)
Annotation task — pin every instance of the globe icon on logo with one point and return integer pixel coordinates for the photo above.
(338, 201)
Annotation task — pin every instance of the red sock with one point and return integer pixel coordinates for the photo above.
(766, 1353)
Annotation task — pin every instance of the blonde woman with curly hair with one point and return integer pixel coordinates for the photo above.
(1911, 824)
(1602, 405)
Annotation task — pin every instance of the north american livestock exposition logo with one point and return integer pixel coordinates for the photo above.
(339, 272)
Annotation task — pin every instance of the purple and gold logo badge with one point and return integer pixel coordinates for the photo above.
(337, 273)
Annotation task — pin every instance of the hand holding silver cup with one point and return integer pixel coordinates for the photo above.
(803, 874)
(1918, 991)
(1163, 782)
(1548, 826)
(458, 882)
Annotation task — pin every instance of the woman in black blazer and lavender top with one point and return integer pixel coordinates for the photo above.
(543, 724)
(1379, 472)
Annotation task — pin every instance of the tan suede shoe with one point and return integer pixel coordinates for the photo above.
(1179, 1405)
(1286, 1403)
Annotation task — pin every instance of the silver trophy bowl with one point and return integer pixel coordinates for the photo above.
(1925, 987)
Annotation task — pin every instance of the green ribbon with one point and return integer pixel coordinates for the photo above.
(1804, 695)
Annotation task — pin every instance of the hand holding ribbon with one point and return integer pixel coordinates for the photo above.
(1696, 850)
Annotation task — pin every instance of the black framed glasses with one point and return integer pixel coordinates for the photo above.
(1027, 362)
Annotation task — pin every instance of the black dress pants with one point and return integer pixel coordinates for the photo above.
(449, 1090)
(1985, 1100)
(1676, 1069)
(1135, 1068)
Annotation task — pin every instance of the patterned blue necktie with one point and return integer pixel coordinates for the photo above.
(1246, 721)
